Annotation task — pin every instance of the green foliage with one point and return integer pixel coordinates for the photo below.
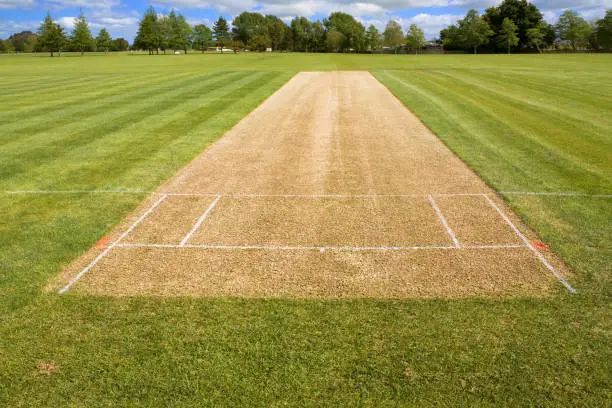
(104, 41)
(120, 44)
(604, 31)
(221, 32)
(415, 38)
(25, 41)
(149, 35)
(275, 29)
(573, 29)
(260, 42)
(373, 38)
(203, 37)
(536, 36)
(350, 29)
(51, 36)
(81, 39)
(334, 40)
(474, 31)
(180, 32)
(524, 14)
(508, 34)
(246, 25)
(393, 36)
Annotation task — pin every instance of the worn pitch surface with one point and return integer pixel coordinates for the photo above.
(331, 188)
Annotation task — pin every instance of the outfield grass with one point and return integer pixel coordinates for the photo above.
(529, 123)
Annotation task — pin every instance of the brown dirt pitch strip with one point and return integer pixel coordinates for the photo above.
(329, 189)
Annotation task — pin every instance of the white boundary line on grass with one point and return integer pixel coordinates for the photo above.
(535, 251)
(114, 244)
(200, 221)
(448, 228)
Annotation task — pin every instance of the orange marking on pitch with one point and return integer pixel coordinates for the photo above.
(539, 245)
(103, 243)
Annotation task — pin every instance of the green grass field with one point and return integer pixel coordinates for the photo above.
(524, 123)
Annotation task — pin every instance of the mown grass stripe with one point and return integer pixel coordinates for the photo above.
(47, 106)
(35, 91)
(46, 82)
(569, 111)
(586, 155)
(107, 108)
(99, 96)
(63, 143)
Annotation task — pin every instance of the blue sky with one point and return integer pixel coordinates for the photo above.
(121, 17)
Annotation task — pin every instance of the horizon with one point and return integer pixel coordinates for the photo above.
(121, 17)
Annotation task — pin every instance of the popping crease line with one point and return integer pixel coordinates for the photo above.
(525, 193)
(318, 248)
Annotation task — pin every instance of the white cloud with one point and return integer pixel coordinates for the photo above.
(8, 27)
(67, 22)
(12, 4)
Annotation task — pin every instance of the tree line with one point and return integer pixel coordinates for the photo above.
(518, 25)
(512, 26)
(52, 37)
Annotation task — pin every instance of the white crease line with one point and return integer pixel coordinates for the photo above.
(114, 244)
(77, 192)
(200, 221)
(318, 248)
(526, 193)
(535, 251)
(230, 195)
(448, 229)
(554, 194)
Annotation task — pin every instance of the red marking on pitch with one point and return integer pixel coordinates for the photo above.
(539, 245)
(103, 243)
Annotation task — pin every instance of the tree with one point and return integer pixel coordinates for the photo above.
(202, 37)
(603, 31)
(474, 31)
(260, 42)
(149, 35)
(81, 38)
(507, 34)
(120, 44)
(415, 38)
(180, 32)
(535, 36)
(373, 39)
(334, 40)
(345, 24)
(246, 25)
(393, 35)
(51, 36)
(221, 31)
(3, 47)
(451, 38)
(522, 13)
(104, 41)
(274, 29)
(24, 41)
(573, 29)
(301, 29)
